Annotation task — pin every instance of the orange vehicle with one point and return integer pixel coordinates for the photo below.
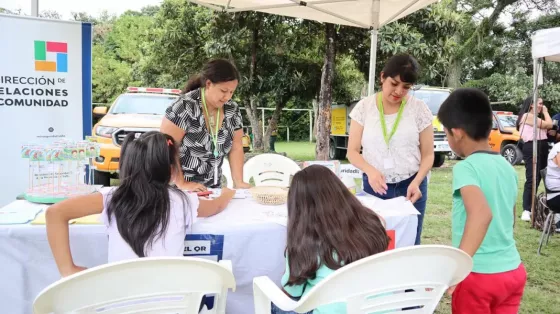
(139, 110)
(504, 137)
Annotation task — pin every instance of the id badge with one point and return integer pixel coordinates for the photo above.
(388, 163)
(216, 173)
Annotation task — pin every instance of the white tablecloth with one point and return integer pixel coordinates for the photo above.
(254, 245)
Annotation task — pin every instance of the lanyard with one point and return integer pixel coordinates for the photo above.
(214, 135)
(382, 118)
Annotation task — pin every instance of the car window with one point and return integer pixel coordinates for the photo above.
(433, 98)
(508, 121)
(494, 123)
(142, 104)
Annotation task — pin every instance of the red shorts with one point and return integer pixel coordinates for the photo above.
(499, 293)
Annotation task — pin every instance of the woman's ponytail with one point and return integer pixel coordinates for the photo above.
(194, 82)
(215, 71)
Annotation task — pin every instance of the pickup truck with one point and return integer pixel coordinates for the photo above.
(138, 110)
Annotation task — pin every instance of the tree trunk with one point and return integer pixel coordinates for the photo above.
(315, 104)
(454, 73)
(473, 42)
(280, 104)
(252, 111)
(325, 96)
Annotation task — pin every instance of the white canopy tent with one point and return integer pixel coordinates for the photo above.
(545, 47)
(371, 14)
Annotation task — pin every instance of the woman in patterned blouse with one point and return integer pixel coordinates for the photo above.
(395, 131)
(207, 125)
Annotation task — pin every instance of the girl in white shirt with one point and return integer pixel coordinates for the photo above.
(394, 131)
(144, 215)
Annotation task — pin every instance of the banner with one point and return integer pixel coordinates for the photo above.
(45, 90)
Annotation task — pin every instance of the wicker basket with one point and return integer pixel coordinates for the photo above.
(269, 195)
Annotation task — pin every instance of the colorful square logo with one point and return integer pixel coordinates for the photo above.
(51, 56)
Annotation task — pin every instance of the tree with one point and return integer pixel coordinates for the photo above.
(177, 47)
(49, 14)
(325, 96)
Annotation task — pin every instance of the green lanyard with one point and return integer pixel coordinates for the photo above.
(214, 135)
(382, 118)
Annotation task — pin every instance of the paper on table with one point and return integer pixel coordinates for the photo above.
(398, 206)
(19, 212)
(239, 194)
(274, 215)
(87, 220)
(40, 219)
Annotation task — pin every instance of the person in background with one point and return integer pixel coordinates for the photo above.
(208, 126)
(483, 215)
(328, 228)
(144, 215)
(525, 121)
(553, 134)
(395, 131)
(552, 181)
(273, 135)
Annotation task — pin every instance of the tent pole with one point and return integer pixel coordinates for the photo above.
(372, 60)
(536, 70)
(35, 8)
(375, 25)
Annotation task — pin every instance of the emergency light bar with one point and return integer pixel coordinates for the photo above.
(153, 90)
(504, 113)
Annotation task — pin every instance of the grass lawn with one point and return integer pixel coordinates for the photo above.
(542, 292)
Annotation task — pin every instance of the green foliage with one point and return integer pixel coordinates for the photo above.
(164, 45)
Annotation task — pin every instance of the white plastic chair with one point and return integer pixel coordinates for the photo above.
(377, 283)
(145, 285)
(270, 170)
(226, 172)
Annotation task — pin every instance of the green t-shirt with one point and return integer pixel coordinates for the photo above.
(298, 290)
(498, 181)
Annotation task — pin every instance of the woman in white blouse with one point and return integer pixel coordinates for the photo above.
(394, 131)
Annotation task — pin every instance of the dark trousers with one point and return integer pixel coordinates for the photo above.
(542, 157)
(272, 141)
(399, 189)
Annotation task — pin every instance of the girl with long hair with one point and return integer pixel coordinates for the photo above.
(144, 215)
(525, 125)
(328, 228)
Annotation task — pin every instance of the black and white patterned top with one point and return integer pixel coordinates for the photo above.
(196, 151)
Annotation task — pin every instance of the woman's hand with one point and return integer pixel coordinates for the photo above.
(72, 270)
(242, 185)
(413, 192)
(377, 182)
(192, 186)
(544, 109)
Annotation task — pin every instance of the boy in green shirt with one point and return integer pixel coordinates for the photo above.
(484, 196)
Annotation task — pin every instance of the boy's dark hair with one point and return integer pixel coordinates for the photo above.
(141, 204)
(404, 66)
(467, 109)
(327, 225)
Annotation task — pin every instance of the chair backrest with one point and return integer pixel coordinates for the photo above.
(154, 285)
(270, 170)
(226, 172)
(378, 283)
